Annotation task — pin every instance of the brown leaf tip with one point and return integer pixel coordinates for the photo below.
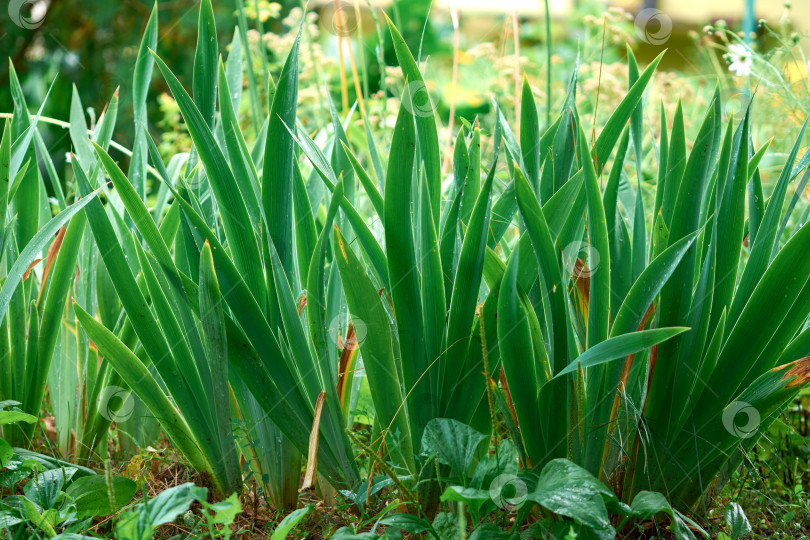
(340, 243)
(302, 302)
(800, 370)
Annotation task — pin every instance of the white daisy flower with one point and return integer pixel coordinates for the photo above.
(739, 59)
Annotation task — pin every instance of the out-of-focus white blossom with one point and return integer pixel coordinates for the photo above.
(739, 59)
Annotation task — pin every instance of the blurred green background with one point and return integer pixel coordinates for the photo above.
(92, 44)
